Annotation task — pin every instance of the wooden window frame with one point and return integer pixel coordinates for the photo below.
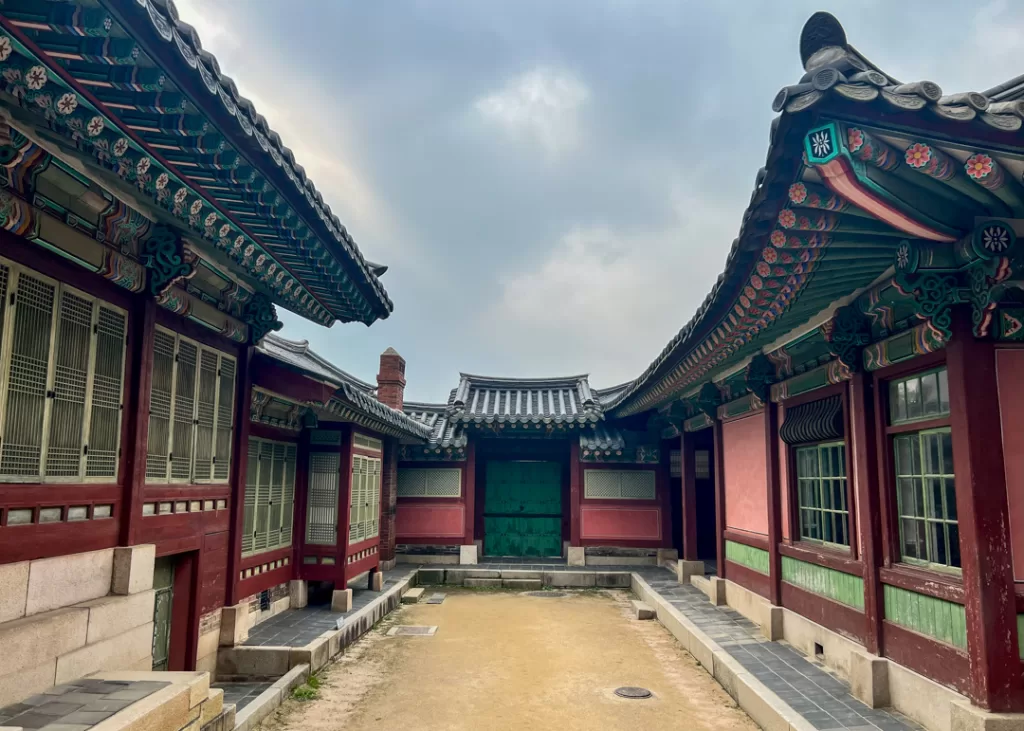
(222, 357)
(792, 486)
(364, 498)
(893, 563)
(654, 484)
(819, 479)
(253, 480)
(427, 495)
(15, 271)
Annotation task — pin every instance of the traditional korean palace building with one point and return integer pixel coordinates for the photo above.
(835, 437)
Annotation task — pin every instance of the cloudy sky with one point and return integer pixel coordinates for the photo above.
(553, 184)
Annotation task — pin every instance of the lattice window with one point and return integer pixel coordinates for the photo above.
(61, 381)
(191, 413)
(821, 493)
(322, 498)
(364, 502)
(440, 482)
(368, 443)
(619, 484)
(268, 508)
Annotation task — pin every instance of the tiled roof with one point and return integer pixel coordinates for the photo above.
(444, 433)
(298, 354)
(483, 400)
(163, 117)
(789, 203)
(603, 437)
(354, 399)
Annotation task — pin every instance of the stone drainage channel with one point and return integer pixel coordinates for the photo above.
(283, 668)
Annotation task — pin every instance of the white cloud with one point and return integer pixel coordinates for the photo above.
(601, 284)
(541, 105)
(320, 138)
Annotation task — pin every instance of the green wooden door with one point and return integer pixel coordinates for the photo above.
(163, 583)
(523, 509)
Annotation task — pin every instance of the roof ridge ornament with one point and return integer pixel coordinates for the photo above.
(822, 32)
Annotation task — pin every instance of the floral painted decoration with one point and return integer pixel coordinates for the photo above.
(787, 218)
(978, 166)
(797, 193)
(918, 155)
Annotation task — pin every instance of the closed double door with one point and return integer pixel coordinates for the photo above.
(523, 509)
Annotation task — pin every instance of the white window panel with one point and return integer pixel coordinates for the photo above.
(269, 496)
(434, 482)
(364, 505)
(368, 443)
(191, 417)
(61, 381)
(619, 484)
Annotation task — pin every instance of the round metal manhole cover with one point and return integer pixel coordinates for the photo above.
(546, 594)
(632, 691)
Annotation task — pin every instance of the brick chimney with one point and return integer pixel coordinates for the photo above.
(391, 379)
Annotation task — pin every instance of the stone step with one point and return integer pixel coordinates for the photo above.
(643, 610)
(523, 584)
(412, 596)
(482, 583)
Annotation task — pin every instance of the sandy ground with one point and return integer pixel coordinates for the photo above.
(512, 661)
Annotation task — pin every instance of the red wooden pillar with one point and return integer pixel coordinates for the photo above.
(469, 487)
(983, 517)
(662, 484)
(719, 499)
(344, 510)
(861, 416)
(136, 411)
(239, 467)
(388, 499)
(301, 503)
(574, 492)
(771, 439)
(688, 472)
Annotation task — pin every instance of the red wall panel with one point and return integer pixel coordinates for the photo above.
(620, 523)
(429, 521)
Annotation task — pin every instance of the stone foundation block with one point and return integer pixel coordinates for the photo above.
(963, 716)
(213, 706)
(124, 650)
(613, 579)
(31, 641)
(667, 554)
(133, 569)
(717, 591)
(65, 580)
(412, 596)
(428, 577)
(643, 610)
(482, 583)
(298, 594)
(686, 569)
(771, 622)
(569, 579)
(522, 584)
(27, 681)
(458, 576)
(341, 600)
(576, 556)
(234, 625)
(518, 574)
(254, 662)
(468, 554)
(13, 590)
(376, 581)
(869, 678)
(115, 614)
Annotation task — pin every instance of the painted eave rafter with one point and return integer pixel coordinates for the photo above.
(842, 86)
(322, 277)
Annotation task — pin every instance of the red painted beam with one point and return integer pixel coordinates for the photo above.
(983, 515)
(574, 493)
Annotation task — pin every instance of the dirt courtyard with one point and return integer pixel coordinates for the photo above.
(503, 660)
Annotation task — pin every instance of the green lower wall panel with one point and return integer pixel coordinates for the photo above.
(945, 621)
(835, 585)
(752, 558)
(1020, 634)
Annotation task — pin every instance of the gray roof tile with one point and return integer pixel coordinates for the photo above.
(483, 400)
